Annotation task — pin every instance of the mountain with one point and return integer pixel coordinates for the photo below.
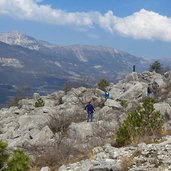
(44, 67)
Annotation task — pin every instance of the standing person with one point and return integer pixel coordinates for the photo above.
(106, 95)
(90, 110)
(149, 91)
(133, 68)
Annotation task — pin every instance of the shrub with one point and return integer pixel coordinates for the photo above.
(126, 163)
(124, 103)
(157, 67)
(143, 121)
(103, 84)
(39, 102)
(17, 161)
(3, 154)
(60, 123)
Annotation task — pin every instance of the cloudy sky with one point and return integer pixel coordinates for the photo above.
(139, 27)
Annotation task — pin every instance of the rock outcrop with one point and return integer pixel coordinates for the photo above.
(144, 157)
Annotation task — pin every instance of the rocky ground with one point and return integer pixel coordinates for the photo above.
(62, 121)
(140, 157)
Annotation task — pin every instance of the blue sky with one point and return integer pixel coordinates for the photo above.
(139, 27)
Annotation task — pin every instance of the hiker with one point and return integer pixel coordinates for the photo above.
(106, 95)
(133, 68)
(149, 91)
(90, 110)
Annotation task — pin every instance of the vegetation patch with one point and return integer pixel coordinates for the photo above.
(124, 103)
(102, 84)
(39, 102)
(143, 121)
(15, 161)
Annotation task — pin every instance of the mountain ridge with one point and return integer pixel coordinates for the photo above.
(49, 65)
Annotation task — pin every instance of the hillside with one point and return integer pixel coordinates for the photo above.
(58, 133)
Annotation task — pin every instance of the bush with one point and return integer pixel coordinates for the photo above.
(39, 102)
(103, 84)
(157, 67)
(143, 121)
(124, 103)
(17, 161)
(3, 154)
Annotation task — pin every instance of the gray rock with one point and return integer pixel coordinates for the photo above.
(80, 131)
(113, 103)
(36, 96)
(164, 108)
(45, 168)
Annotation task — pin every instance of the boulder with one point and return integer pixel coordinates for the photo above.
(113, 103)
(80, 132)
(36, 96)
(164, 109)
(132, 77)
(45, 168)
(136, 91)
(28, 122)
(41, 137)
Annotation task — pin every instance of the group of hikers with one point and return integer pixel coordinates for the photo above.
(90, 108)
(151, 91)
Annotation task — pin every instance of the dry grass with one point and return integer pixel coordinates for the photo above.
(166, 132)
(60, 123)
(35, 168)
(136, 153)
(126, 163)
(54, 157)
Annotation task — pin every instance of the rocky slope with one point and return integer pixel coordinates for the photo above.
(62, 121)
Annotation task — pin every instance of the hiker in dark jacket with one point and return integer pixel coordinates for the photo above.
(149, 91)
(106, 95)
(90, 110)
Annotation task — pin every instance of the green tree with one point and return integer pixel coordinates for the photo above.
(124, 103)
(39, 102)
(143, 121)
(15, 161)
(18, 161)
(3, 154)
(157, 67)
(102, 84)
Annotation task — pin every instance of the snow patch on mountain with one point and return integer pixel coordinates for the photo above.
(10, 62)
(58, 64)
(73, 74)
(79, 55)
(16, 38)
(97, 66)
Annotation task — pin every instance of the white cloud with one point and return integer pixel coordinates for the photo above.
(140, 25)
(31, 10)
(145, 25)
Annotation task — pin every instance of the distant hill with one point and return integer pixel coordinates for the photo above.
(45, 67)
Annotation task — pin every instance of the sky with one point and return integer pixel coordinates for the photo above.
(139, 27)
